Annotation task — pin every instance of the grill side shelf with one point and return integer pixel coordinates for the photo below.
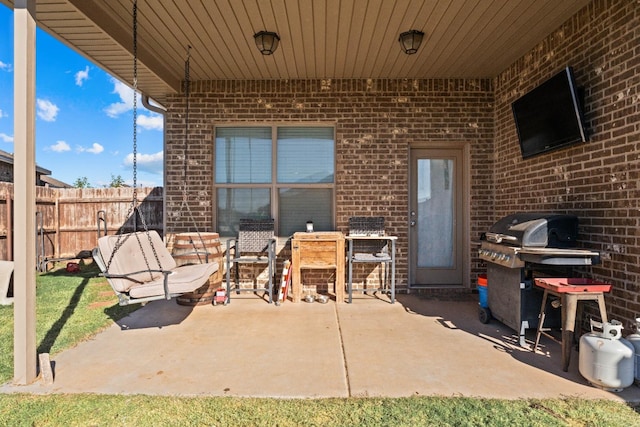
(555, 256)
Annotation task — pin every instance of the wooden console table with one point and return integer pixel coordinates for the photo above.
(318, 250)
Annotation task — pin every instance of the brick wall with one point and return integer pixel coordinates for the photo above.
(598, 181)
(375, 121)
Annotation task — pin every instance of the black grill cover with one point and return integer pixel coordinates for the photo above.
(535, 229)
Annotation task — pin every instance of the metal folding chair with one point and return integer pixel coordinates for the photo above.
(368, 243)
(255, 244)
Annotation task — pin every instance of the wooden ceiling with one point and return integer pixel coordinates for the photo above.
(319, 38)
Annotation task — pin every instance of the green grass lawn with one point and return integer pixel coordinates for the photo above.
(69, 309)
(99, 410)
(73, 307)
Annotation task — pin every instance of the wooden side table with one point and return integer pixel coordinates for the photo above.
(317, 250)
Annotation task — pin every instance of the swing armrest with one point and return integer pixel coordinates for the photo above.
(126, 276)
(165, 281)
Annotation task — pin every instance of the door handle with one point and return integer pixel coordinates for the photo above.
(412, 223)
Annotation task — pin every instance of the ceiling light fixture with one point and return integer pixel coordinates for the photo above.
(267, 42)
(410, 41)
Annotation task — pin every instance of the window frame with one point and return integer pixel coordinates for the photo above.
(274, 186)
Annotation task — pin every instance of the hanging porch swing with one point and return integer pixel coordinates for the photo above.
(137, 265)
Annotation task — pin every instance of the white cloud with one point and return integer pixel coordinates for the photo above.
(95, 149)
(5, 67)
(47, 110)
(6, 138)
(82, 75)
(150, 122)
(126, 99)
(60, 147)
(3, 114)
(151, 163)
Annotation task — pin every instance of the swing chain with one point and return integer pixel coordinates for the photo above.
(185, 195)
(135, 100)
(134, 210)
(187, 88)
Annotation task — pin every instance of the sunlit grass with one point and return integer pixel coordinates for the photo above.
(69, 309)
(138, 410)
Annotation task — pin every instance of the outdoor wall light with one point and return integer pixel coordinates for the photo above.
(267, 42)
(410, 41)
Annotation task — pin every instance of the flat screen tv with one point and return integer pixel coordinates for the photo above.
(550, 116)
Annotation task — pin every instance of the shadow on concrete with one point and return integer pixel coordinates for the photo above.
(155, 314)
(464, 317)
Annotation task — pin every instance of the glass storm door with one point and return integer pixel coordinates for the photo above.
(436, 217)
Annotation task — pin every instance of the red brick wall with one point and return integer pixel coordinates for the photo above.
(375, 122)
(598, 181)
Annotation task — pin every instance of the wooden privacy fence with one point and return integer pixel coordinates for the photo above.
(68, 221)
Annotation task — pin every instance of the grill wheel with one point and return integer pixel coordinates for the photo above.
(485, 315)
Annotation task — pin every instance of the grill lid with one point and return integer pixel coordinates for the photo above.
(535, 229)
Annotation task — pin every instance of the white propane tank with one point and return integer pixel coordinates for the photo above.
(634, 339)
(606, 359)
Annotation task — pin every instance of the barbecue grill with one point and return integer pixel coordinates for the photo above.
(520, 247)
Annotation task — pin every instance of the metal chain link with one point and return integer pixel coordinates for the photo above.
(135, 101)
(134, 209)
(187, 87)
(185, 196)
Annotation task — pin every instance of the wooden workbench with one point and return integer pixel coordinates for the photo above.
(317, 250)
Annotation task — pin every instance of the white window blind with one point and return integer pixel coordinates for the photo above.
(289, 177)
(243, 155)
(305, 155)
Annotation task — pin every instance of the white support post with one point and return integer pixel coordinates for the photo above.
(24, 178)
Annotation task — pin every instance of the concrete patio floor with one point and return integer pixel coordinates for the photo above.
(415, 347)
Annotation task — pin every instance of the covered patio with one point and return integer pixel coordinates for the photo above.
(416, 347)
(339, 68)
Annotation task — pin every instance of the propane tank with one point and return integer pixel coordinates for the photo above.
(634, 339)
(606, 359)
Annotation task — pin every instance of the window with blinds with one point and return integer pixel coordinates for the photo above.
(281, 172)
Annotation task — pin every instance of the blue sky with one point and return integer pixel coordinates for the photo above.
(84, 121)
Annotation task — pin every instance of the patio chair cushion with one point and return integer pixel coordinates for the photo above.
(186, 278)
(372, 258)
(130, 258)
(129, 261)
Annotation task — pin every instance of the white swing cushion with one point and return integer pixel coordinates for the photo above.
(182, 279)
(130, 258)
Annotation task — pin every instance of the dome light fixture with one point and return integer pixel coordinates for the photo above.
(410, 41)
(267, 42)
